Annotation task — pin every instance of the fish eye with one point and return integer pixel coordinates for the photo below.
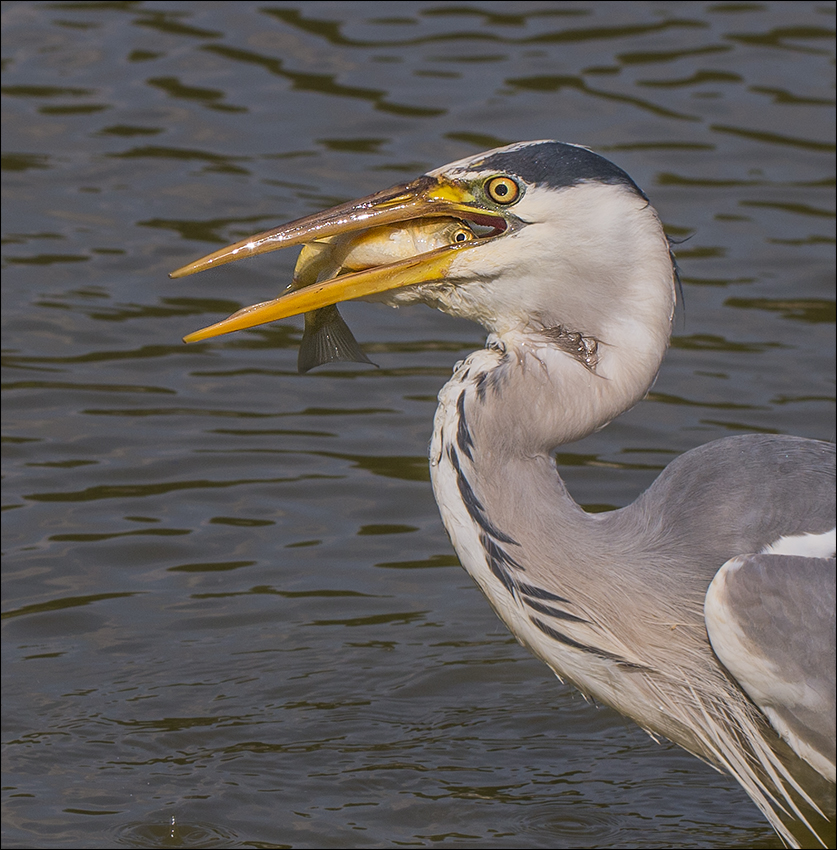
(463, 234)
(502, 190)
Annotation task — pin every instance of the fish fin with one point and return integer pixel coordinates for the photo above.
(327, 339)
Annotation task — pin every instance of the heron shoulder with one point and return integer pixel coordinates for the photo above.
(755, 608)
(743, 493)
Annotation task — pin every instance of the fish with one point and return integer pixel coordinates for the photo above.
(326, 337)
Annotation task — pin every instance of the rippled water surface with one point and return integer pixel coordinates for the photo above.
(231, 615)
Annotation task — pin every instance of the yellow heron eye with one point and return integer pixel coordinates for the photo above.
(502, 190)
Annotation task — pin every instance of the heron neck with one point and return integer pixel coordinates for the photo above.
(499, 418)
(527, 393)
(516, 529)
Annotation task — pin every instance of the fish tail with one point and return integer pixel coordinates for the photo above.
(327, 339)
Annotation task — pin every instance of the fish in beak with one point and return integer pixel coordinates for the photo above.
(382, 217)
(326, 337)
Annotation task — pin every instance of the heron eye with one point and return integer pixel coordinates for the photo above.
(502, 190)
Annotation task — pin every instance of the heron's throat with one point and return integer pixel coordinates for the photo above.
(532, 390)
(585, 349)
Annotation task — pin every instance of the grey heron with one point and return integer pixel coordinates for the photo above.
(704, 610)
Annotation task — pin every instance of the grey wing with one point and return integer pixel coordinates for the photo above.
(770, 620)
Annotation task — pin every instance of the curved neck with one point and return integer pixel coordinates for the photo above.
(503, 411)
(534, 387)
(537, 556)
(531, 391)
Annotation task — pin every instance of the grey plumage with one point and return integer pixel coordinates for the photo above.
(569, 271)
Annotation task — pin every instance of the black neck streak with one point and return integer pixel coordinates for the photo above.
(503, 554)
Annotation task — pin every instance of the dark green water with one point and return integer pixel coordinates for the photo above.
(231, 615)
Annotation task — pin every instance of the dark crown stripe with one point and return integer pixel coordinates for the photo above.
(556, 165)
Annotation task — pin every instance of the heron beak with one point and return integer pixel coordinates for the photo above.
(425, 197)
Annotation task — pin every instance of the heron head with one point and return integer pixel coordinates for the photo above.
(564, 238)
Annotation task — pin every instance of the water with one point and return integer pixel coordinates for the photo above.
(232, 617)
